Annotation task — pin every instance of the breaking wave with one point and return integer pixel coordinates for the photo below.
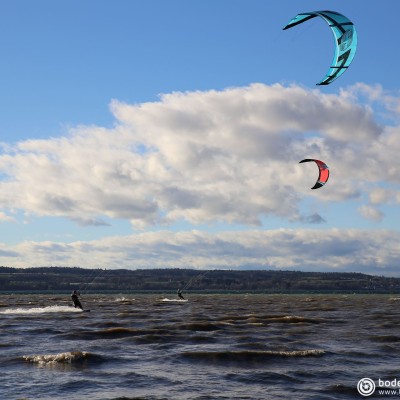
(124, 300)
(40, 310)
(174, 300)
(70, 357)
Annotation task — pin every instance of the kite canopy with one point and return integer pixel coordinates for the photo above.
(323, 172)
(345, 40)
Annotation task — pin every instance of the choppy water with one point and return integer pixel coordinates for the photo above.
(211, 347)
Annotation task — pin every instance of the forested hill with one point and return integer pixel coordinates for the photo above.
(65, 279)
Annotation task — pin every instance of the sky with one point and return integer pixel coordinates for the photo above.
(153, 134)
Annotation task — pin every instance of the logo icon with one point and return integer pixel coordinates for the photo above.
(366, 386)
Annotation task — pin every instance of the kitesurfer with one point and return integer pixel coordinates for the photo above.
(180, 294)
(74, 296)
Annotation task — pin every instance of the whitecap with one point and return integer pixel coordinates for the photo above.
(123, 299)
(175, 300)
(61, 358)
(40, 310)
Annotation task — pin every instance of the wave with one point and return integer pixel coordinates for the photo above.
(386, 338)
(123, 300)
(108, 333)
(268, 319)
(41, 310)
(293, 319)
(115, 333)
(249, 355)
(174, 300)
(70, 357)
(199, 327)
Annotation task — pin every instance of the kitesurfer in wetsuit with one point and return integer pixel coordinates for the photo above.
(74, 297)
(180, 294)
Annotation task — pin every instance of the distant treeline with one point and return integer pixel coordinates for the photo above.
(97, 280)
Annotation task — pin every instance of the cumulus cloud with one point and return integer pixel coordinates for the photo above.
(307, 250)
(380, 195)
(376, 94)
(228, 156)
(370, 212)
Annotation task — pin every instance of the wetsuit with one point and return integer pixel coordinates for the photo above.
(77, 303)
(180, 295)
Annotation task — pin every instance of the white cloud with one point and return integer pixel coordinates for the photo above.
(202, 157)
(371, 213)
(307, 250)
(380, 195)
(375, 93)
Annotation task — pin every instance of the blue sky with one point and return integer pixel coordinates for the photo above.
(167, 133)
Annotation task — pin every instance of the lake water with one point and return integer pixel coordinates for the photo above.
(225, 346)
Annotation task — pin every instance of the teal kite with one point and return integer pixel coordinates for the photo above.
(345, 40)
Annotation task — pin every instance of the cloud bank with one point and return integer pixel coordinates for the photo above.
(331, 250)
